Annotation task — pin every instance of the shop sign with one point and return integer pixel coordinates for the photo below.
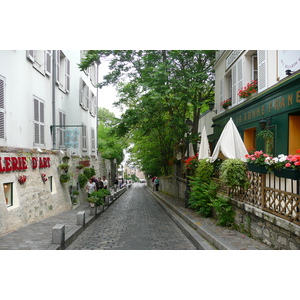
(279, 104)
(9, 164)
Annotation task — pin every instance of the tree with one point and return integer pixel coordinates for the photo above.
(160, 88)
(109, 144)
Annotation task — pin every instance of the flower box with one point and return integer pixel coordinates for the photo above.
(288, 173)
(257, 169)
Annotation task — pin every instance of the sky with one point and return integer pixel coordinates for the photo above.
(107, 95)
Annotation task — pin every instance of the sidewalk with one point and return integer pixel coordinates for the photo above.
(219, 237)
(38, 235)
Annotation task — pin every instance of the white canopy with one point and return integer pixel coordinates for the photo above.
(204, 151)
(230, 143)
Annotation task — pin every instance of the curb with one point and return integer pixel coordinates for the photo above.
(72, 234)
(207, 238)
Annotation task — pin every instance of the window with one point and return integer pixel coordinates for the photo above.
(62, 122)
(84, 95)
(294, 134)
(39, 125)
(41, 60)
(254, 67)
(8, 193)
(250, 139)
(93, 104)
(62, 71)
(2, 108)
(93, 139)
(83, 136)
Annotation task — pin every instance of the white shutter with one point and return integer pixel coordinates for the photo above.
(221, 90)
(262, 70)
(240, 83)
(80, 91)
(30, 55)
(48, 62)
(57, 66)
(83, 136)
(93, 138)
(67, 72)
(36, 122)
(87, 93)
(234, 84)
(2, 108)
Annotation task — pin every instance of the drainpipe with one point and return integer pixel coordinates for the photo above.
(53, 97)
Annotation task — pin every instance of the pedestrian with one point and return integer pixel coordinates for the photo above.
(153, 183)
(156, 181)
(105, 182)
(99, 184)
(90, 187)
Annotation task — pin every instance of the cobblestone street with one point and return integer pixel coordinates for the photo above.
(135, 222)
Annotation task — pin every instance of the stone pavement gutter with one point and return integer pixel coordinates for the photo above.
(56, 232)
(203, 232)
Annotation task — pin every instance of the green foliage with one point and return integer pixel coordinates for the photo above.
(225, 213)
(97, 197)
(89, 172)
(204, 170)
(162, 88)
(63, 166)
(233, 172)
(82, 180)
(201, 196)
(64, 178)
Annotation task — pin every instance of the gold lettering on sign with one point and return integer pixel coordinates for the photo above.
(298, 96)
(290, 99)
(282, 102)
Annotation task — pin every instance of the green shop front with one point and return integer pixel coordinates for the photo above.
(269, 121)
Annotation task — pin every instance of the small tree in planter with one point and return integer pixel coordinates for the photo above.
(82, 180)
(233, 172)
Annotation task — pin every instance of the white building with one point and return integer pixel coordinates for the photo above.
(48, 109)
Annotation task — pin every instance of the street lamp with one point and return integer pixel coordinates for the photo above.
(189, 124)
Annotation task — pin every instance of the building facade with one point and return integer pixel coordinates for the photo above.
(48, 111)
(269, 209)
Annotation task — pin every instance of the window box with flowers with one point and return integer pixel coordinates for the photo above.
(256, 162)
(226, 103)
(286, 166)
(248, 90)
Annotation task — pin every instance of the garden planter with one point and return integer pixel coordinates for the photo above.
(288, 173)
(257, 169)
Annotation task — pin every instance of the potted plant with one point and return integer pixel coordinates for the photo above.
(248, 90)
(65, 159)
(226, 103)
(257, 162)
(93, 200)
(82, 180)
(64, 167)
(64, 178)
(75, 194)
(286, 166)
(233, 173)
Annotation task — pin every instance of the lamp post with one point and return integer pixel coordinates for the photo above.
(189, 125)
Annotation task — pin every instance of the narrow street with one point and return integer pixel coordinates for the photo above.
(134, 222)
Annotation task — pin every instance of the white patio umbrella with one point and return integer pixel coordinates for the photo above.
(230, 143)
(191, 150)
(204, 151)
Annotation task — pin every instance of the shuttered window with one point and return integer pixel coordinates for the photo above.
(62, 122)
(262, 70)
(240, 76)
(48, 65)
(67, 75)
(39, 122)
(234, 84)
(84, 138)
(93, 139)
(222, 90)
(2, 108)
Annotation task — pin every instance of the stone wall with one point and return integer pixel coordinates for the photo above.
(270, 229)
(34, 200)
(172, 186)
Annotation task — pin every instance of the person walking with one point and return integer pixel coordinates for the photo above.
(156, 181)
(105, 182)
(90, 187)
